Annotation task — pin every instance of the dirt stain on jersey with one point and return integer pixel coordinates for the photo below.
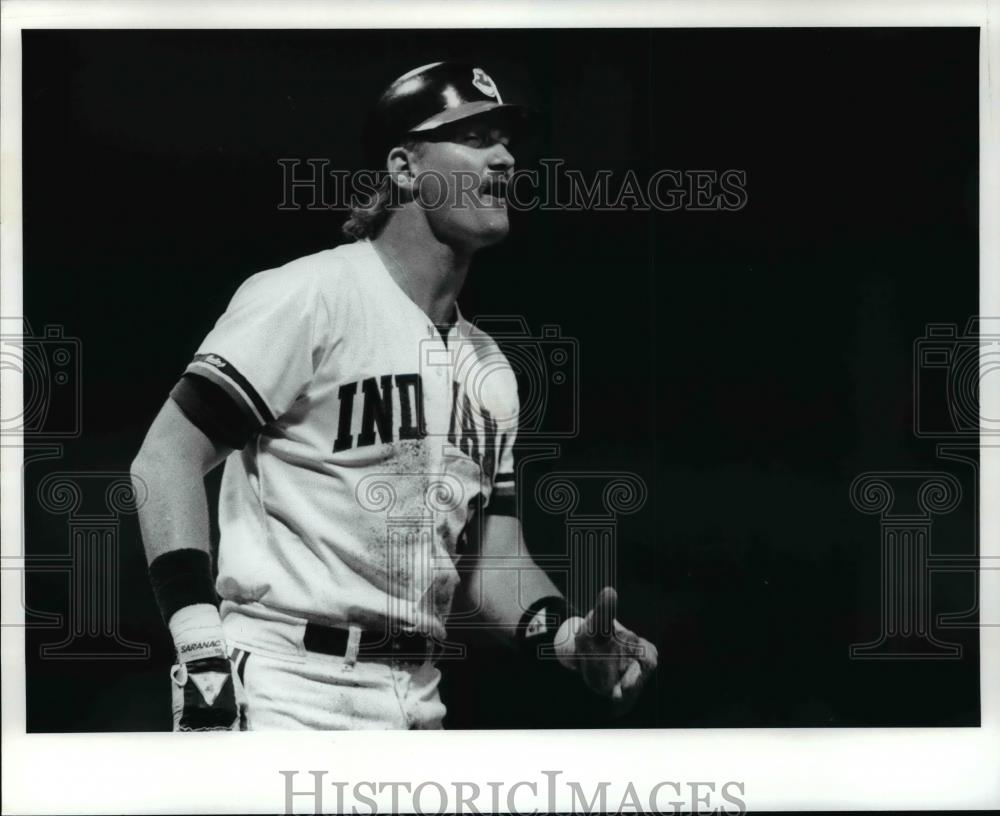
(411, 543)
(393, 533)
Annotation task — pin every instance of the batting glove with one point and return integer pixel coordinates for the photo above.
(204, 689)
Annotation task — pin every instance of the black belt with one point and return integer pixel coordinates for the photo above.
(406, 647)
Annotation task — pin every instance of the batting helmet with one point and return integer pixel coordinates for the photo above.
(429, 97)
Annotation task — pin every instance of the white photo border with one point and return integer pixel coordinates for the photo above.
(781, 769)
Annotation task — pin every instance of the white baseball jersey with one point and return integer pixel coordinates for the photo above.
(370, 443)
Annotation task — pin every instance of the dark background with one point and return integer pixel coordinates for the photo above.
(747, 365)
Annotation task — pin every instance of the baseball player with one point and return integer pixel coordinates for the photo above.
(367, 431)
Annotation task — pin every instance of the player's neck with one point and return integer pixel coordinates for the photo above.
(430, 272)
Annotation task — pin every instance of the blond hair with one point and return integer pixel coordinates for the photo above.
(371, 210)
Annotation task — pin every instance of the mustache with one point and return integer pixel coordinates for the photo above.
(495, 185)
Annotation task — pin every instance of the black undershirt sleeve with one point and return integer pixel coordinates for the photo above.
(503, 502)
(213, 412)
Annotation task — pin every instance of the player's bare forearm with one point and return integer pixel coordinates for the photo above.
(612, 660)
(506, 580)
(169, 472)
(171, 466)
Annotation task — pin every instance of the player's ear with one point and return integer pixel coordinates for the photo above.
(400, 167)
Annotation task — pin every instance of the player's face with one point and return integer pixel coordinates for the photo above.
(463, 183)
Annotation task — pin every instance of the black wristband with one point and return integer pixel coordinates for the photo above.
(539, 625)
(181, 578)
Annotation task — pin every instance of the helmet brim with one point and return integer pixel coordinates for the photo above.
(517, 115)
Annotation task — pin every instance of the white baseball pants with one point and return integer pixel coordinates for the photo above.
(286, 687)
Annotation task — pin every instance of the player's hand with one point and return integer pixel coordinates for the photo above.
(613, 661)
(206, 695)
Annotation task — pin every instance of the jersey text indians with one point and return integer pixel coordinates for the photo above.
(392, 409)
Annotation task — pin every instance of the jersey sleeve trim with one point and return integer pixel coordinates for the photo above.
(224, 374)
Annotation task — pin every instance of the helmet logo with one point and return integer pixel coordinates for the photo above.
(482, 81)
